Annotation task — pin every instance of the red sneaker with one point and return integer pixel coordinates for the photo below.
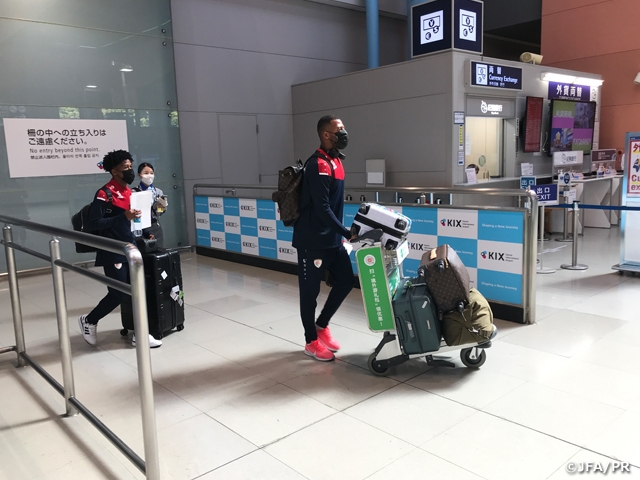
(318, 351)
(324, 335)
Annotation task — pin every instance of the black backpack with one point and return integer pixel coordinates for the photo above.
(289, 192)
(80, 220)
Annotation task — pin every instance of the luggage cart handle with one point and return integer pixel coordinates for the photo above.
(372, 235)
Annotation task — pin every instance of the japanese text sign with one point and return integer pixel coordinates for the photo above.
(375, 289)
(547, 194)
(633, 170)
(42, 147)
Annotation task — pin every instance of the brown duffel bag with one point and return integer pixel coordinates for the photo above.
(473, 325)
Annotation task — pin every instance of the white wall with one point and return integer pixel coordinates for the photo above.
(242, 56)
(400, 113)
(404, 114)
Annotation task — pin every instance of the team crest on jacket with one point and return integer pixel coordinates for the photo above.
(317, 262)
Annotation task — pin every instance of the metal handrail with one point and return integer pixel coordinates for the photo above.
(509, 192)
(151, 465)
(530, 234)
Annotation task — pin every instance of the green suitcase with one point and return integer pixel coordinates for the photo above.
(416, 318)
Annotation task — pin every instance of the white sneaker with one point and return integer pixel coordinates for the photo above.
(153, 342)
(88, 330)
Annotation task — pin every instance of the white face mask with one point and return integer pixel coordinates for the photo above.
(147, 179)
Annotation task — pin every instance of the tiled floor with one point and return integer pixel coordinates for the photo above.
(237, 399)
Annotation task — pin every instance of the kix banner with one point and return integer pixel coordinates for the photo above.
(489, 242)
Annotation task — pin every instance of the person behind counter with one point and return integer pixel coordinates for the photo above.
(159, 206)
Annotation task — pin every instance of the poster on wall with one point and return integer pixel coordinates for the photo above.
(633, 170)
(572, 126)
(45, 147)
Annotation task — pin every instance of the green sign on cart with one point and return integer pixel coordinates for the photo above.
(375, 289)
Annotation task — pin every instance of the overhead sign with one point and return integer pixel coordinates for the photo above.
(45, 147)
(492, 75)
(467, 28)
(491, 107)
(547, 194)
(569, 91)
(440, 25)
(526, 182)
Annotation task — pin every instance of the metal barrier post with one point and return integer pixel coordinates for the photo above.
(143, 355)
(574, 254)
(530, 256)
(541, 225)
(14, 293)
(565, 230)
(63, 327)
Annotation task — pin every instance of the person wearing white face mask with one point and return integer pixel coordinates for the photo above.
(147, 175)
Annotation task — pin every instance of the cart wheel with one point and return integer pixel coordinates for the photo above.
(376, 370)
(124, 332)
(473, 359)
(180, 327)
(157, 336)
(621, 273)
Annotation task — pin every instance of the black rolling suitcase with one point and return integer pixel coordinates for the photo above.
(416, 319)
(447, 279)
(165, 303)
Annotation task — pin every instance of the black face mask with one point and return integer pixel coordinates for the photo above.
(128, 176)
(343, 139)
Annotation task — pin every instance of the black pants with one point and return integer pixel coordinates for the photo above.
(312, 265)
(115, 297)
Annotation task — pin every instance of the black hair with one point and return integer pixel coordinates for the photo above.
(143, 165)
(112, 159)
(324, 122)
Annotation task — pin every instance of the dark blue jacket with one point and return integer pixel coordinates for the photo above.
(322, 203)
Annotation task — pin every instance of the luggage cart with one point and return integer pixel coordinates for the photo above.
(380, 273)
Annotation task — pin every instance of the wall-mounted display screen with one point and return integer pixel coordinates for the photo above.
(572, 126)
(533, 124)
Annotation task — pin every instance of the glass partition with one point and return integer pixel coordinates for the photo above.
(484, 146)
(113, 62)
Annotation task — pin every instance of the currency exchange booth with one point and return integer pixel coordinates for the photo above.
(447, 109)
